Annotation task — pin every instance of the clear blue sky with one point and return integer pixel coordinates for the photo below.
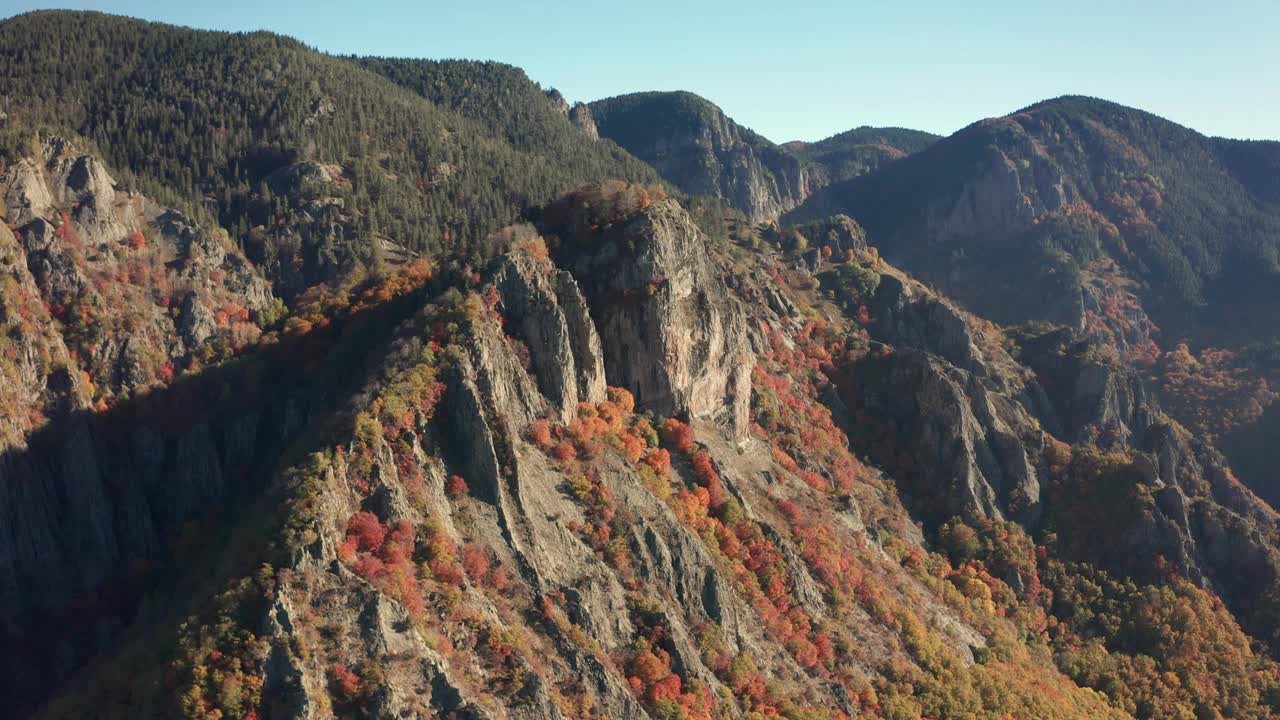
(797, 69)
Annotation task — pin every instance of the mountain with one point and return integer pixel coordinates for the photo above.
(856, 152)
(1127, 227)
(303, 155)
(697, 148)
(609, 452)
(1083, 194)
(449, 511)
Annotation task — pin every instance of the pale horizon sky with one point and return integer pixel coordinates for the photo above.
(807, 70)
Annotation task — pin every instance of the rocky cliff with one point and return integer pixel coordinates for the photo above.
(479, 528)
(969, 430)
(1107, 206)
(694, 146)
(137, 291)
(672, 332)
(1134, 231)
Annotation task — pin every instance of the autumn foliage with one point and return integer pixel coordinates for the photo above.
(457, 486)
(1214, 392)
(384, 557)
(345, 684)
(677, 434)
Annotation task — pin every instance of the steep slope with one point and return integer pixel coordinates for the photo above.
(700, 150)
(444, 544)
(1137, 232)
(510, 105)
(1046, 428)
(143, 385)
(696, 147)
(601, 465)
(175, 114)
(119, 293)
(1105, 205)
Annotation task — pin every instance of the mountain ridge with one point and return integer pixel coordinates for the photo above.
(506, 438)
(696, 146)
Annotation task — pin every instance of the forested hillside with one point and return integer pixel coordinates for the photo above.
(217, 124)
(1147, 236)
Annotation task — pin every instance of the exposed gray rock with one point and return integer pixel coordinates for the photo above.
(973, 440)
(27, 197)
(839, 232)
(195, 321)
(50, 261)
(908, 317)
(581, 118)
(672, 332)
(545, 310)
(303, 180)
(558, 102)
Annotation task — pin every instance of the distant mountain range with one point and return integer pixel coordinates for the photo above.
(695, 146)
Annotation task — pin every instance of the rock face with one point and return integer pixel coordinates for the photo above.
(1076, 211)
(546, 311)
(139, 290)
(964, 427)
(38, 378)
(938, 397)
(672, 333)
(518, 506)
(602, 475)
(841, 233)
(558, 102)
(691, 143)
(440, 549)
(582, 119)
(104, 296)
(695, 146)
(983, 206)
(980, 446)
(90, 494)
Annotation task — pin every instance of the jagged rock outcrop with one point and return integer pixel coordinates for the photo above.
(416, 497)
(671, 331)
(558, 102)
(545, 310)
(957, 410)
(695, 146)
(27, 196)
(37, 377)
(582, 119)
(141, 291)
(983, 206)
(305, 180)
(315, 246)
(980, 447)
(962, 423)
(907, 315)
(841, 233)
(399, 495)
